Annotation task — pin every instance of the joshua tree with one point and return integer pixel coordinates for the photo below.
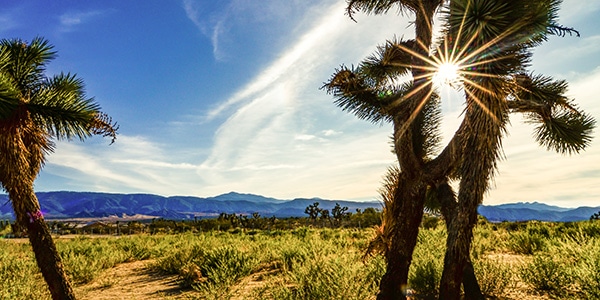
(371, 92)
(313, 211)
(490, 43)
(34, 111)
(338, 213)
(494, 55)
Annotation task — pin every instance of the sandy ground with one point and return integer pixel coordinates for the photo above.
(132, 280)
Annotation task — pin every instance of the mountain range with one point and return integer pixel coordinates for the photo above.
(62, 205)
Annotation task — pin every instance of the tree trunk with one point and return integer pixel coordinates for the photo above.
(457, 255)
(447, 199)
(27, 211)
(407, 210)
(485, 119)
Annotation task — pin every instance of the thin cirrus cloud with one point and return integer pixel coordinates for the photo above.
(214, 27)
(281, 137)
(70, 20)
(133, 164)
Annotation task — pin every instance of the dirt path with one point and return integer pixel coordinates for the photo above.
(135, 281)
(132, 281)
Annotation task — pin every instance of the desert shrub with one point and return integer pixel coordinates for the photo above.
(425, 278)
(430, 222)
(177, 260)
(591, 229)
(494, 276)
(226, 265)
(588, 276)
(293, 257)
(302, 232)
(327, 234)
(545, 273)
(486, 240)
(588, 269)
(567, 229)
(85, 258)
(539, 228)
(428, 260)
(19, 275)
(525, 243)
(329, 277)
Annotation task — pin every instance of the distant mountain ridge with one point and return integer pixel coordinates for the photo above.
(526, 211)
(58, 205)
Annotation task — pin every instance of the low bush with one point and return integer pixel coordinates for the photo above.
(547, 274)
(494, 276)
(522, 242)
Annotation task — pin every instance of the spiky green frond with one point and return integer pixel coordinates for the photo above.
(537, 93)
(388, 63)
(103, 125)
(8, 97)
(58, 104)
(565, 131)
(482, 18)
(561, 126)
(355, 95)
(428, 136)
(525, 22)
(562, 31)
(27, 62)
(378, 6)
(61, 106)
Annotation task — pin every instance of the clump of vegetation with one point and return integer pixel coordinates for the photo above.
(494, 276)
(315, 263)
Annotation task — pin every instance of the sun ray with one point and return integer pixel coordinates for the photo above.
(482, 106)
(461, 61)
(417, 109)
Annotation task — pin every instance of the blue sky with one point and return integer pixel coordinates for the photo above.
(219, 96)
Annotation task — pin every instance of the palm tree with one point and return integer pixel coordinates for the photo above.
(35, 110)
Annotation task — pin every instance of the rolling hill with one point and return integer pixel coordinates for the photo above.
(59, 205)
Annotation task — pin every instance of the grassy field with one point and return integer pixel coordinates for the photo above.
(512, 261)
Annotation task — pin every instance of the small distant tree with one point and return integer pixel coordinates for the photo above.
(339, 213)
(595, 216)
(313, 211)
(325, 216)
(256, 220)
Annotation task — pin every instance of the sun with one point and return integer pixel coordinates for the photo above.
(447, 73)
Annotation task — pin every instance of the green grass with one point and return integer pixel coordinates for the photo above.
(560, 260)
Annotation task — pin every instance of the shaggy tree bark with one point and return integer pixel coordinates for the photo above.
(485, 122)
(409, 199)
(407, 208)
(447, 199)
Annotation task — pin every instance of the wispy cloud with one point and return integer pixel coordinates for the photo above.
(573, 11)
(212, 26)
(6, 22)
(281, 137)
(70, 20)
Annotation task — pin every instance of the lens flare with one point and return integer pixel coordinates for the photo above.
(447, 74)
